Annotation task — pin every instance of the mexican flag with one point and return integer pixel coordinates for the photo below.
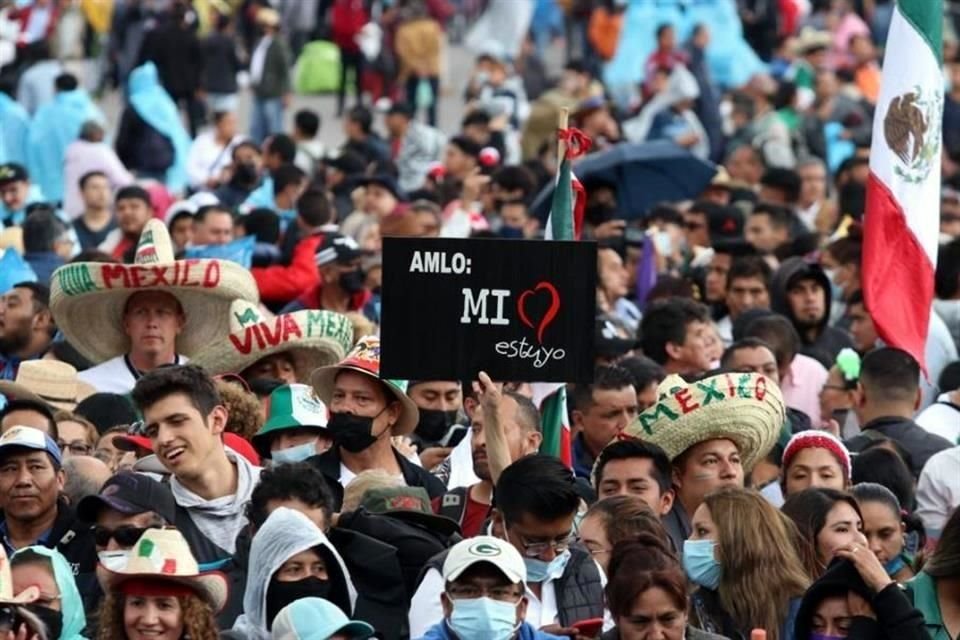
(564, 223)
(566, 210)
(903, 190)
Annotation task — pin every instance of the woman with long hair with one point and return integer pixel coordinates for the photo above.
(887, 528)
(160, 594)
(647, 593)
(827, 520)
(741, 552)
(618, 519)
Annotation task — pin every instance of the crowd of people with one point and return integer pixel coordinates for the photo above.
(195, 437)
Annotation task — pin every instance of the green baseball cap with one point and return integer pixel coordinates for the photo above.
(291, 406)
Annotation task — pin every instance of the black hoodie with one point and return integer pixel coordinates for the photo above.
(896, 619)
(829, 341)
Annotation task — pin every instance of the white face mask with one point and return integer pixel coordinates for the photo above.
(113, 560)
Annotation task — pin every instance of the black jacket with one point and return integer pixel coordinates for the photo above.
(919, 443)
(221, 63)
(141, 147)
(896, 619)
(828, 341)
(413, 476)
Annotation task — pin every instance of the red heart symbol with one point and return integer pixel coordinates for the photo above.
(548, 316)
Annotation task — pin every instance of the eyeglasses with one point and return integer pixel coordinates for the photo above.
(471, 592)
(76, 447)
(539, 547)
(125, 535)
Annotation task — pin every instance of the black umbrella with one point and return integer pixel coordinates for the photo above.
(643, 174)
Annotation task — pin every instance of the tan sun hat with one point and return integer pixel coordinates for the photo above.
(87, 298)
(164, 555)
(48, 382)
(746, 408)
(30, 594)
(365, 359)
(312, 338)
(267, 16)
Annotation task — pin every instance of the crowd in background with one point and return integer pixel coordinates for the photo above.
(195, 440)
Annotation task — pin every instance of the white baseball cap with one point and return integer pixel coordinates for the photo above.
(497, 552)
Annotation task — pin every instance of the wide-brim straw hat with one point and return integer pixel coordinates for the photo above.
(746, 408)
(312, 339)
(48, 382)
(365, 359)
(811, 39)
(164, 555)
(88, 298)
(267, 16)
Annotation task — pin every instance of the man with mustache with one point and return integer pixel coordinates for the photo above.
(33, 513)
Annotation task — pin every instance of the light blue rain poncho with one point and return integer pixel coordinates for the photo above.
(54, 126)
(14, 128)
(71, 605)
(152, 103)
(284, 534)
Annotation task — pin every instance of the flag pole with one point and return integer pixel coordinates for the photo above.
(563, 122)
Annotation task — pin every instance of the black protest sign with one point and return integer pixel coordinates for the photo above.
(519, 310)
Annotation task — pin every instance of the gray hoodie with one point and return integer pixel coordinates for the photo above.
(284, 534)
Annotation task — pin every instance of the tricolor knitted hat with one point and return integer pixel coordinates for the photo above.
(815, 439)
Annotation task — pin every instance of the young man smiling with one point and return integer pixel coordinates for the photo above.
(184, 418)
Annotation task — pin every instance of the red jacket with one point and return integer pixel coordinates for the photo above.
(283, 283)
(23, 17)
(347, 19)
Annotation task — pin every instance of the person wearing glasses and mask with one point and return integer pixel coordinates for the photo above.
(484, 595)
(128, 504)
(537, 499)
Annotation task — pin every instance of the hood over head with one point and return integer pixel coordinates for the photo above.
(285, 533)
(791, 271)
(71, 604)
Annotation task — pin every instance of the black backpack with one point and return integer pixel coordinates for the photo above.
(415, 543)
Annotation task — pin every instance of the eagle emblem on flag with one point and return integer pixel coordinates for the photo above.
(911, 128)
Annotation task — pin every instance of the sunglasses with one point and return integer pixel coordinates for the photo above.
(125, 535)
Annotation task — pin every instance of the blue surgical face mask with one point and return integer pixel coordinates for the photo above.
(297, 453)
(538, 570)
(483, 619)
(700, 564)
(895, 565)
(512, 233)
(824, 636)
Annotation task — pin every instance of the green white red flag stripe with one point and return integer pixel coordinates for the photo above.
(903, 190)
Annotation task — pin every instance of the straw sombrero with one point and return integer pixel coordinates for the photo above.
(746, 408)
(164, 555)
(312, 338)
(365, 359)
(48, 382)
(87, 298)
(30, 594)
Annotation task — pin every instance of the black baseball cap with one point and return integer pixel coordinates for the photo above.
(348, 162)
(337, 248)
(12, 172)
(130, 493)
(386, 181)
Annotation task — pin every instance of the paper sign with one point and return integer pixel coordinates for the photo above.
(239, 251)
(519, 310)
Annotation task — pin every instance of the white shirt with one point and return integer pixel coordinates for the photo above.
(461, 466)
(725, 330)
(258, 58)
(114, 376)
(938, 491)
(207, 158)
(941, 419)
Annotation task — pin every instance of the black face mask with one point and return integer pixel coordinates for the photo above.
(352, 281)
(52, 618)
(353, 433)
(280, 594)
(245, 174)
(434, 424)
